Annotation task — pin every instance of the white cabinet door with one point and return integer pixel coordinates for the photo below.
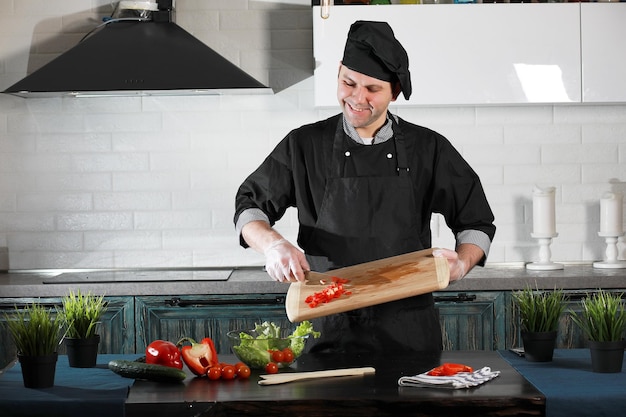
(603, 30)
(467, 53)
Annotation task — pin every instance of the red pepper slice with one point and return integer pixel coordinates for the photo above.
(449, 369)
(330, 292)
(198, 357)
(162, 352)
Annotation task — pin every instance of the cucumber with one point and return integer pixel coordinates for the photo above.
(148, 371)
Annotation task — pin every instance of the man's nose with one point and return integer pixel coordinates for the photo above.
(359, 94)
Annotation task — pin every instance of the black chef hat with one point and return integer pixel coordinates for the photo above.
(373, 50)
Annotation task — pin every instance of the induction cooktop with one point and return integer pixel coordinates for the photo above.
(140, 276)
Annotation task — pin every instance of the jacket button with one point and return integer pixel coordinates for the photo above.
(389, 156)
(347, 153)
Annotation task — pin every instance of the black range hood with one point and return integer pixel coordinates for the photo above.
(138, 57)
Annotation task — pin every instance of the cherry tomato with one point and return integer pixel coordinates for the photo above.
(229, 372)
(243, 371)
(271, 368)
(287, 355)
(214, 373)
(278, 356)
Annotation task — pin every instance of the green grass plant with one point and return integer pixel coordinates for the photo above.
(35, 329)
(82, 313)
(603, 316)
(539, 310)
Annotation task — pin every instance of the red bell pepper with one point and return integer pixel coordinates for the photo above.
(162, 352)
(198, 357)
(330, 292)
(449, 369)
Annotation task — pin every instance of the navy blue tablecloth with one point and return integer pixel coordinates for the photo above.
(92, 392)
(570, 387)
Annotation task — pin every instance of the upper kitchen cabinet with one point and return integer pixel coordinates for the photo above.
(604, 57)
(470, 53)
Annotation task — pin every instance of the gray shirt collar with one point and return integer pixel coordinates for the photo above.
(384, 133)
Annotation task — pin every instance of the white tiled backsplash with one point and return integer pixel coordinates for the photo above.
(150, 182)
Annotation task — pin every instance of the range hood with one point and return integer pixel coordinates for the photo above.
(145, 54)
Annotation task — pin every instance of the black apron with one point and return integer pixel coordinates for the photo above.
(363, 218)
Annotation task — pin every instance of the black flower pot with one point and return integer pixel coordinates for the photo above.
(607, 357)
(539, 346)
(82, 353)
(38, 371)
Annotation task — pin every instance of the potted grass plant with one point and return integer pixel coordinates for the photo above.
(603, 321)
(36, 332)
(540, 312)
(81, 314)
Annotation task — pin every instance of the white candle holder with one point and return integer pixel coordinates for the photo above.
(611, 261)
(544, 264)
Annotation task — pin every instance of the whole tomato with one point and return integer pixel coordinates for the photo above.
(214, 373)
(271, 368)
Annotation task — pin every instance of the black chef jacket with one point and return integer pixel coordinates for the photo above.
(358, 203)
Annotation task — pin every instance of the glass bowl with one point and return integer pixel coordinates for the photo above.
(257, 351)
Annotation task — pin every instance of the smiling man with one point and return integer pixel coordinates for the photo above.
(365, 183)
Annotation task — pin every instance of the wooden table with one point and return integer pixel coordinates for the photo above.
(377, 395)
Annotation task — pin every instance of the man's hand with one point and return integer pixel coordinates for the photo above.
(462, 261)
(457, 266)
(283, 261)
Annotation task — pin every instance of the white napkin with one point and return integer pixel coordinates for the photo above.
(460, 380)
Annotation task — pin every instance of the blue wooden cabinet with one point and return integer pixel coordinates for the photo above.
(117, 329)
(473, 320)
(470, 321)
(199, 316)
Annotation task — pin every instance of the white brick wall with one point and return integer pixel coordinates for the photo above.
(138, 182)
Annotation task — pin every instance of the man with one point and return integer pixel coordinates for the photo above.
(365, 183)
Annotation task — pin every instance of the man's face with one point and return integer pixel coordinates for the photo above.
(364, 100)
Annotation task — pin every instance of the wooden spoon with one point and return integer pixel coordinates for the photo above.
(273, 379)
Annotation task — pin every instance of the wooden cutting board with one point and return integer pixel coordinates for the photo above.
(371, 283)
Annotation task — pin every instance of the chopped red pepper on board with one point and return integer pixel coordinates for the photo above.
(449, 369)
(162, 352)
(332, 291)
(198, 357)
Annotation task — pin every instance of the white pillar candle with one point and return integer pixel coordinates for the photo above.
(611, 214)
(544, 223)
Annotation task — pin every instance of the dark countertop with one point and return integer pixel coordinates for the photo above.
(508, 394)
(246, 280)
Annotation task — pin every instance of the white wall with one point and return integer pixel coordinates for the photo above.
(150, 182)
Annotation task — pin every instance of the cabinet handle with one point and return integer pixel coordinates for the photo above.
(23, 306)
(459, 298)
(580, 295)
(178, 302)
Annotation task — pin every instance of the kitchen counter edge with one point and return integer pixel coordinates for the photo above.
(255, 280)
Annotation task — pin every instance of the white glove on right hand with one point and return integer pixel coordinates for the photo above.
(284, 262)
